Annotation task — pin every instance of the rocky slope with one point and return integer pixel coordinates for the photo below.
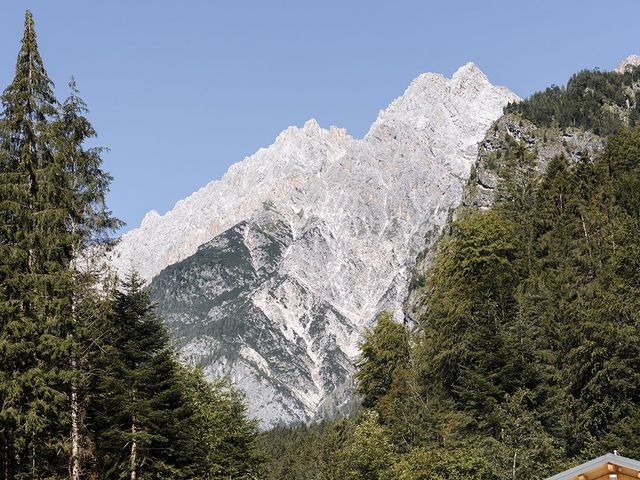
(508, 132)
(272, 273)
(631, 61)
(541, 143)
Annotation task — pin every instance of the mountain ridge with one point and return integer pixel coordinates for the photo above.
(358, 211)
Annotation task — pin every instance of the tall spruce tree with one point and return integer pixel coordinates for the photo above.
(470, 351)
(89, 223)
(140, 417)
(385, 350)
(34, 266)
(52, 207)
(151, 417)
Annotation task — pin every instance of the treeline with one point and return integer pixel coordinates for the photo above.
(527, 359)
(89, 384)
(592, 100)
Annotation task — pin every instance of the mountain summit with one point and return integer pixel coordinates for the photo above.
(629, 62)
(272, 273)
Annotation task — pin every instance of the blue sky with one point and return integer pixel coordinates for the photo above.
(179, 90)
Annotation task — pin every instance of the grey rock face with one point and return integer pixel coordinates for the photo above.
(543, 143)
(272, 273)
(509, 131)
(629, 62)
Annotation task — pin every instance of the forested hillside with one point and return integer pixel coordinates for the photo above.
(525, 357)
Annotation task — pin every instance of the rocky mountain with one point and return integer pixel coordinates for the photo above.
(508, 133)
(632, 61)
(272, 273)
(616, 96)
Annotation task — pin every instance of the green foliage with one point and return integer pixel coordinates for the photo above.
(468, 333)
(88, 383)
(436, 463)
(49, 200)
(384, 351)
(154, 416)
(591, 100)
(305, 452)
(223, 440)
(523, 449)
(138, 407)
(369, 454)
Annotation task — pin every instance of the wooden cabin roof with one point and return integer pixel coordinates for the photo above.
(601, 468)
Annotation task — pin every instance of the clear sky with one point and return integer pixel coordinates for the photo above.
(181, 89)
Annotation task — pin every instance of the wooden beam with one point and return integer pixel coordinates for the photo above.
(582, 477)
(627, 475)
(612, 468)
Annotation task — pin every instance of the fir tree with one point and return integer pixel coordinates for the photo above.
(34, 273)
(88, 224)
(137, 394)
(150, 417)
(369, 454)
(384, 351)
(223, 442)
(52, 192)
(466, 350)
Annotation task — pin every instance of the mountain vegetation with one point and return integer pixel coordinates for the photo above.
(592, 99)
(89, 384)
(525, 359)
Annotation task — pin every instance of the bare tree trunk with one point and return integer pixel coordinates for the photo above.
(33, 457)
(75, 425)
(76, 417)
(134, 450)
(6, 461)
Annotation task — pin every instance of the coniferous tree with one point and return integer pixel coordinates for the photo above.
(150, 417)
(34, 273)
(88, 224)
(52, 192)
(466, 348)
(137, 395)
(223, 441)
(369, 454)
(384, 351)
(523, 449)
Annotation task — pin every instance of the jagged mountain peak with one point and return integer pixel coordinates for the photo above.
(310, 131)
(432, 94)
(295, 154)
(470, 71)
(630, 61)
(150, 217)
(305, 241)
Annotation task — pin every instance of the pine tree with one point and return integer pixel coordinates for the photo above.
(88, 223)
(34, 270)
(436, 463)
(150, 417)
(369, 454)
(467, 350)
(136, 391)
(52, 208)
(384, 351)
(524, 450)
(223, 442)
(601, 366)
